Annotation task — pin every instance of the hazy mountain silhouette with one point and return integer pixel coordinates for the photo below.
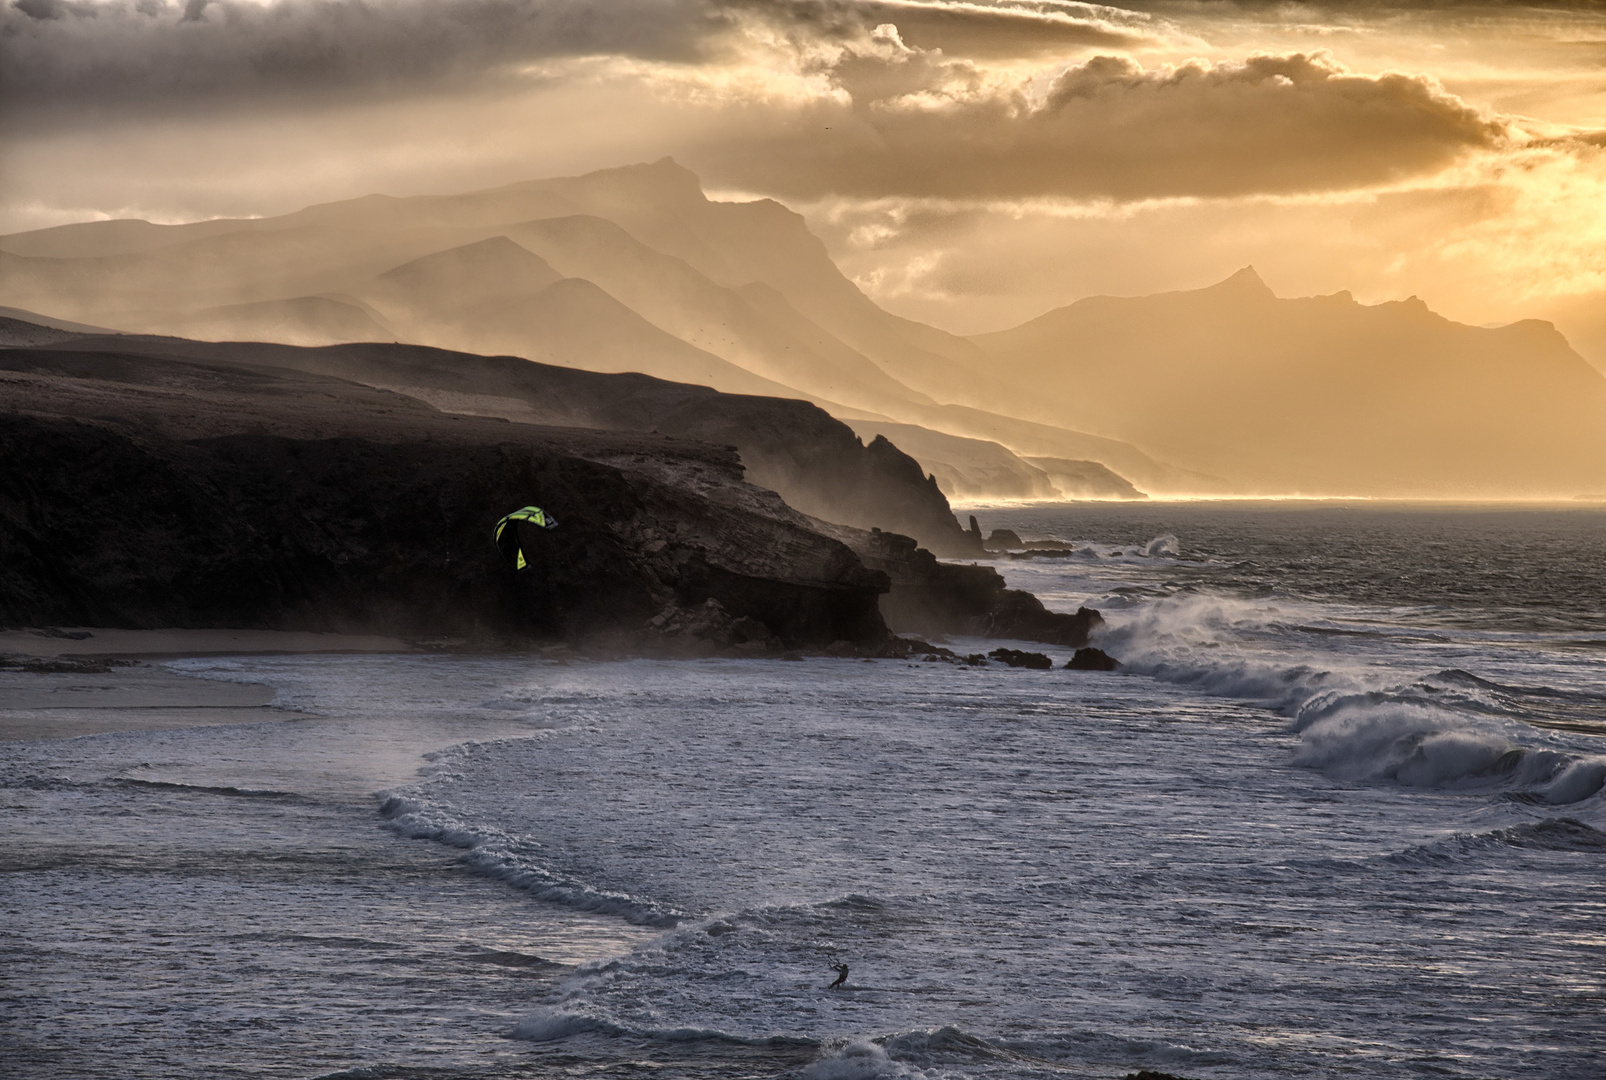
(964, 468)
(495, 296)
(634, 269)
(1027, 439)
(1318, 394)
(623, 269)
(493, 271)
(304, 320)
(769, 337)
(132, 268)
(1085, 479)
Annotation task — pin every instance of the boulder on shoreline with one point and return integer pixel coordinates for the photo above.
(1036, 661)
(708, 629)
(1089, 659)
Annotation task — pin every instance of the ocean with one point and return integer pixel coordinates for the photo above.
(1339, 814)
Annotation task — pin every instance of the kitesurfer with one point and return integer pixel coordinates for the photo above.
(510, 538)
(841, 975)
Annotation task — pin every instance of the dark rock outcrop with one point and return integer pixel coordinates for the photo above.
(1090, 659)
(709, 628)
(1003, 540)
(934, 598)
(1036, 661)
(63, 665)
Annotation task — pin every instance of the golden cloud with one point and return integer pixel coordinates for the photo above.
(922, 126)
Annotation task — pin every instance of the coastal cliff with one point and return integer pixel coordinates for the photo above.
(145, 492)
(796, 449)
(158, 482)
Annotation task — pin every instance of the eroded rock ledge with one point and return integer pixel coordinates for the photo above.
(933, 598)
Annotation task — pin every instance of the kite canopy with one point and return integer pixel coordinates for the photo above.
(506, 535)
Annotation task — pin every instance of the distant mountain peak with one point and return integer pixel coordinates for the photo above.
(663, 181)
(1245, 282)
(668, 166)
(665, 170)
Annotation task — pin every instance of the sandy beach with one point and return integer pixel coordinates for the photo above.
(85, 681)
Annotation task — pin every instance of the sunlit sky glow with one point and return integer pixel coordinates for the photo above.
(969, 164)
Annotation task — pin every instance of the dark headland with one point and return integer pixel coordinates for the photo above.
(161, 482)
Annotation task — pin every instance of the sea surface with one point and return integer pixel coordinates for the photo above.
(1339, 815)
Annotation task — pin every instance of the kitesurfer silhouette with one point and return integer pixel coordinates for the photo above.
(841, 975)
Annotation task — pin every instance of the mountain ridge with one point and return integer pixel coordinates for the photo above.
(1321, 394)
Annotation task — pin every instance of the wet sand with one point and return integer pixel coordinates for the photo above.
(105, 681)
(65, 641)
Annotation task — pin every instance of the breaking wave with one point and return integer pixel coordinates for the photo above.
(1423, 745)
(1162, 546)
(210, 789)
(1356, 719)
(1546, 834)
(500, 855)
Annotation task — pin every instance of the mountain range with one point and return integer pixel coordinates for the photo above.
(1319, 394)
(1222, 390)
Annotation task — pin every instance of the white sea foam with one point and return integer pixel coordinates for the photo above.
(1578, 780)
(1166, 545)
(858, 1059)
(1229, 647)
(1416, 744)
(508, 858)
(1356, 717)
(1412, 739)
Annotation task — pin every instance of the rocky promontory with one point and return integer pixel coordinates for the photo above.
(933, 598)
(164, 483)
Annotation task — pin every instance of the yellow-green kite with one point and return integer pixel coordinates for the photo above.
(507, 536)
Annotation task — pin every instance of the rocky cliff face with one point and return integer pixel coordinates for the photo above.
(148, 491)
(812, 460)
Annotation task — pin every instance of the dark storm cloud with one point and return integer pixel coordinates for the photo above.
(1107, 127)
(109, 53)
(983, 29)
(69, 53)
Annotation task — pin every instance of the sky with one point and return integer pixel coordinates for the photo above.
(970, 163)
